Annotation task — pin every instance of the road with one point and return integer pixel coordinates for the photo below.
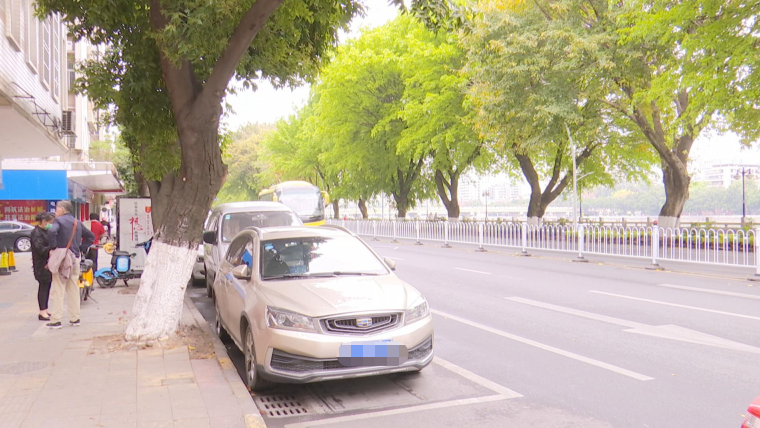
(535, 342)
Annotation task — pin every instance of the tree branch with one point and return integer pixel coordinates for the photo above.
(557, 166)
(253, 21)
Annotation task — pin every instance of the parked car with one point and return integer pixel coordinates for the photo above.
(308, 304)
(15, 235)
(199, 268)
(227, 220)
(753, 415)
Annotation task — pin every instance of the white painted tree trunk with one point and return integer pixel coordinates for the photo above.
(157, 310)
(452, 219)
(667, 222)
(534, 221)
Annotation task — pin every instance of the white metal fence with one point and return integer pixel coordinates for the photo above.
(714, 246)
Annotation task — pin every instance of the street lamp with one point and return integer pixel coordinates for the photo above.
(747, 173)
(487, 193)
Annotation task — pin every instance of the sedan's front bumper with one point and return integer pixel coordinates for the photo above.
(293, 357)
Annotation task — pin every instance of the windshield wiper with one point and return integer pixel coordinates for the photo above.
(320, 275)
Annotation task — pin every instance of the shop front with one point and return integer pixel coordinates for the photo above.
(26, 193)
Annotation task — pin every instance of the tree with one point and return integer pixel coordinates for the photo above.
(361, 97)
(436, 114)
(529, 85)
(244, 164)
(166, 74)
(118, 154)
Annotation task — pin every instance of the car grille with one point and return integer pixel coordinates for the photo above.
(349, 325)
(282, 361)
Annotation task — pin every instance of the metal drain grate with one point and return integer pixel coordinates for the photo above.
(281, 406)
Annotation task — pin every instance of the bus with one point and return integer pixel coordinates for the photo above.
(304, 198)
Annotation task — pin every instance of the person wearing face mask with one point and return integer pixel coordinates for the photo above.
(40, 256)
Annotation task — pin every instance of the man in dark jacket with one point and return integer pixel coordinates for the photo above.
(67, 231)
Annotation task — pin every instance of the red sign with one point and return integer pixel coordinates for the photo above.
(24, 211)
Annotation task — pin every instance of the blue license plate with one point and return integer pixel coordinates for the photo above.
(372, 354)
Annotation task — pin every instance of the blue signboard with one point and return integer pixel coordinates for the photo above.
(34, 185)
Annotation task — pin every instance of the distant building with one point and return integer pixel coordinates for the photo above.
(723, 174)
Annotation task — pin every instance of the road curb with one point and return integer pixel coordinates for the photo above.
(252, 420)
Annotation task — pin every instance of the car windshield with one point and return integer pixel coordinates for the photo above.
(234, 223)
(315, 256)
(307, 203)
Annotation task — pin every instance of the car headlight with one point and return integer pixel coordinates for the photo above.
(418, 311)
(286, 320)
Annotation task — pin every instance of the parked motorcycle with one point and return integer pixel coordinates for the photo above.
(121, 267)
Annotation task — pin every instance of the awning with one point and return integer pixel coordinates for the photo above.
(98, 177)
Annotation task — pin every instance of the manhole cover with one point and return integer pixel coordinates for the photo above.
(22, 367)
(281, 406)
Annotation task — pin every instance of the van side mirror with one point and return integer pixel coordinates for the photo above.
(391, 264)
(242, 272)
(209, 237)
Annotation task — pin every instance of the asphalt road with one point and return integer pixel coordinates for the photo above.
(536, 342)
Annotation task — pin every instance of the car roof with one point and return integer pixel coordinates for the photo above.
(268, 206)
(14, 222)
(286, 232)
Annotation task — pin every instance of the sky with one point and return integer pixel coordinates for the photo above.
(267, 104)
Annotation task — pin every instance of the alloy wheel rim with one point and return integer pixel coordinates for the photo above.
(24, 244)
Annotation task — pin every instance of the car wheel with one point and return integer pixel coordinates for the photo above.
(252, 378)
(209, 285)
(220, 330)
(23, 244)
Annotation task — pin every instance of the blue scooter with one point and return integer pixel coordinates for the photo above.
(121, 267)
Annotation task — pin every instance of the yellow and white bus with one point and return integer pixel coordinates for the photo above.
(304, 198)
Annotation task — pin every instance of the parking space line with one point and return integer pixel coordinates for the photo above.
(657, 302)
(587, 360)
(704, 290)
(473, 271)
(431, 406)
(493, 386)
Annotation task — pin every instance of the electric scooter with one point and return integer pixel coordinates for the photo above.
(121, 267)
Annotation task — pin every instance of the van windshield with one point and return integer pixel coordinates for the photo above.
(234, 223)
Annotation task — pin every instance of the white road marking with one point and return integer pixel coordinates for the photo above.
(473, 271)
(672, 332)
(393, 258)
(432, 406)
(713, 311)
(493, 386)
(584, 314)
(704, 290)
(557, 351)
(395, 248)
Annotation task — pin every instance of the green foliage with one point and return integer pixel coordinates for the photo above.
(242, 156)
(128, 77)
(117, 153)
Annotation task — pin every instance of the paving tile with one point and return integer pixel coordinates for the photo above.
(227, 422)
(110, 420)
(155, 416)
(155, 424)
(108, 407)
(189, 411)
(192, 423)
(12, 420)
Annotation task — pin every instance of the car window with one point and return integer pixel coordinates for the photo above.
(235, 250)
(8, 227)
(234, 223)
(317, 255)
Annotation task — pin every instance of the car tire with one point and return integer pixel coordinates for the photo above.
(252, 378)
(218, 327)
(23, 244)
(209, 285)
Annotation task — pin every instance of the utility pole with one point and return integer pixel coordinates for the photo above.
(575, 183)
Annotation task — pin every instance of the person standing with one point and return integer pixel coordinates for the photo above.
(40, 256)
(68, 240)
(98, 230)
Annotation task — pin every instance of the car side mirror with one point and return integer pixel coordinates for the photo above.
(242, 272)
(391, 264)
(209, 237)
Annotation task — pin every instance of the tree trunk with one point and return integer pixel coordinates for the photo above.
(676, 194)
(448, 193)
(336, 208)
(536, 208)
(363, 208)
(402, 202)
(180, 202)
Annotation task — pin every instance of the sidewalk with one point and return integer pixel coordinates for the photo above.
(88, 376)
